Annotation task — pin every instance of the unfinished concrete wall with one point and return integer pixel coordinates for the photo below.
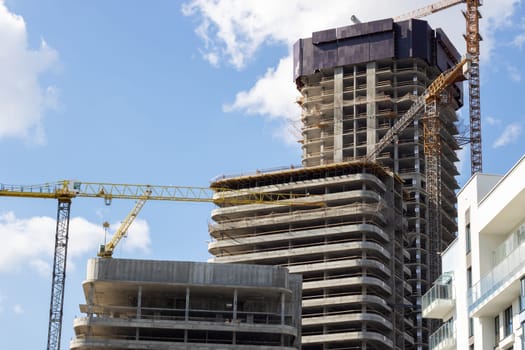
(384, 67)
(148, 304)
(350, 253)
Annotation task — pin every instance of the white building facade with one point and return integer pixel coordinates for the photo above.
(480, 297)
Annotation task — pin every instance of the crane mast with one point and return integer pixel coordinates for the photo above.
(59, 274)
(473, 38)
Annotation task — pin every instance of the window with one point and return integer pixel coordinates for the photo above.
(523, 335)
(522, 294)
(467, 237)
(507, 317)
(470, 327)
(496, 328)
(469, 277)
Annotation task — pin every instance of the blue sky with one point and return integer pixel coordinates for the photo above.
(175, 93)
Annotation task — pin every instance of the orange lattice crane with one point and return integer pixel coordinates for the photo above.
(472, 38)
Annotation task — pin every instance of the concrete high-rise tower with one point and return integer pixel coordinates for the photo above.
(355, 82)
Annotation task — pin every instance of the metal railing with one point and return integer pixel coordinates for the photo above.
(500, 274)
(445, 336)
(438, 291)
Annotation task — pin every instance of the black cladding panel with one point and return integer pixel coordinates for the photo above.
(353, 50)
(324, 36)
(365, 42)
(422, 41)
(303, 58)
(382, 45)
(298, 59)
(325, 55)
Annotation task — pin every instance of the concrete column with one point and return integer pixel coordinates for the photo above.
(283, 307)
(90, 300)
(396, 143)
(235, 305)
(91, 292)
(371, 120)
(338, 114)
(355, 113)
(139, 307)
(187, 313)
(139, 302)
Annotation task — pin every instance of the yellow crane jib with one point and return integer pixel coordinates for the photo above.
(447, 78)
(106, 251)
(64, 191)
(108, 191)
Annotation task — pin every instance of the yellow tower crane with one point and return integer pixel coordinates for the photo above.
(65, 191)
(472, 38)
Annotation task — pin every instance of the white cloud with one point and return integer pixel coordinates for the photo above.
(18, 309)
(519, 40)
(29, 243)
(22, 98)
(270, 95)
(513, 72)
(509, 135)
(492, 121)
(233, 31)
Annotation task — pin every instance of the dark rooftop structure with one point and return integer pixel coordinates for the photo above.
(373, 41)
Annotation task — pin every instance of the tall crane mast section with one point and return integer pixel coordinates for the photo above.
(472, 38)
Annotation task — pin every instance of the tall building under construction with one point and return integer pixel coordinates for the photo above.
(365, 256)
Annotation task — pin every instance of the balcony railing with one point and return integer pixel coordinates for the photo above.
(499, 275)
(438, 301)
(444, 338)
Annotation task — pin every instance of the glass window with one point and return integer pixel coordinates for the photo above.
(469, 277)
(467, 236)
(522, 294)
(470, 327)
(496, 329)
(523, 335)
(507, 329)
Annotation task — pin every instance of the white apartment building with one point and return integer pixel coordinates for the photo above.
(480, 297)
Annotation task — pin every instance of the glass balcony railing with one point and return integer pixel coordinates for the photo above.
(444, 337)
(438, 291)
(431, 304)
(498, 276)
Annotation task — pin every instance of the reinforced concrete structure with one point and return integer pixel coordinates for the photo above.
(351, 253)
(355, 82)
(481, 296)
(144, 304)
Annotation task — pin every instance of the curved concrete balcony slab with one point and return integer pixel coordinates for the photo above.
(371, 231)
(304, 251)
(82, 323)
(348, 337)
(347, 281)
(92, 343)
(348, 319)
(346, 300)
